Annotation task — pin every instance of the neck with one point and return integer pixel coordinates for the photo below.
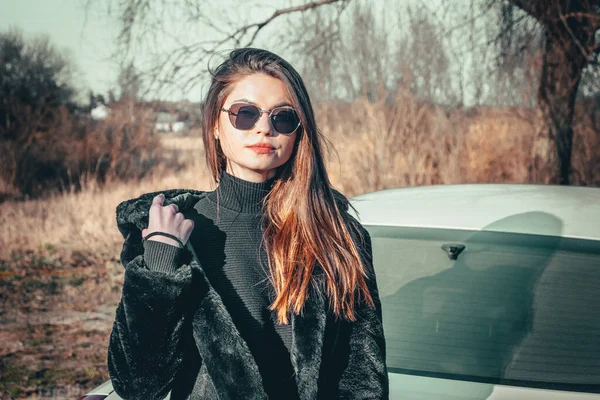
(240, 195)
(255, 176)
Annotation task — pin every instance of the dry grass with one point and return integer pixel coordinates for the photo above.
(84, 220)
(412, 144)
(497, 144)
(382, 146)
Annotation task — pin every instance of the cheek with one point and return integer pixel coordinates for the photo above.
(229, 137)
(229, 144)
(289, 148)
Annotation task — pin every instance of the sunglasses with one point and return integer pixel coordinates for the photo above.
(244, 116)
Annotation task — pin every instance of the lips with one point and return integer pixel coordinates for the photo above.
(261, 148)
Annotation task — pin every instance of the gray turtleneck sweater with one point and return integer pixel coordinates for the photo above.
(227, 238)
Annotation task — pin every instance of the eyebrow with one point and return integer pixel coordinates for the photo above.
(280, 104)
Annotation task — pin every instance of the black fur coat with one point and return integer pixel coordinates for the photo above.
(172, 332)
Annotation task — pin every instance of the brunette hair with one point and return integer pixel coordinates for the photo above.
(304, 226)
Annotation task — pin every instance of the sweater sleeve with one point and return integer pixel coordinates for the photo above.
(365, 374)
(145, 348)
(161, 256)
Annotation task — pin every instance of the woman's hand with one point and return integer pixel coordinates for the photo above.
(167, 219)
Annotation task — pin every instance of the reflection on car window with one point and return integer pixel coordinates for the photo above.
(513, 308)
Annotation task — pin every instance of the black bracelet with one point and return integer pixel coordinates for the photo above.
(166, 235)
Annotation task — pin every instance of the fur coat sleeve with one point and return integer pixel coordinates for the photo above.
(145, 345)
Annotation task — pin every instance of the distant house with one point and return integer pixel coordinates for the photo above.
(167, 122)
(100, 112)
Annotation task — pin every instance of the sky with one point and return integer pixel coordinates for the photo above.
(88, 41)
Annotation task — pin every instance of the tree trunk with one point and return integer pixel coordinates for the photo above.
(563, 64)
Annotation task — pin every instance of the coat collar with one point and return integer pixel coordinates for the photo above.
(214, 332)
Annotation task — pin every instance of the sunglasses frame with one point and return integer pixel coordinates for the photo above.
(261, 111)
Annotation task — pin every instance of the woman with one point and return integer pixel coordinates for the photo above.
(262, 288)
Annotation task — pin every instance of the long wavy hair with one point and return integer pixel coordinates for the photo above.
(304, 226)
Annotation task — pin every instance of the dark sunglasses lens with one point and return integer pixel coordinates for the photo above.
(244, 117)
(285, 120)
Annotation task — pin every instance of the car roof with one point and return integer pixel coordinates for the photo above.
(567, 211)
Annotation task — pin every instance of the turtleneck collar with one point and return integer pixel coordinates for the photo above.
(239, 195)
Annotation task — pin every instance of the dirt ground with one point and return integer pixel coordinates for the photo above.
(56, 313)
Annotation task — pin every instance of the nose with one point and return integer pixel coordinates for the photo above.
(263, 125)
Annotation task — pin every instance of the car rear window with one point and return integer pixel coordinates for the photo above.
(512, 308)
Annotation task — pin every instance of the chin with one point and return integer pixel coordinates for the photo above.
(261, 167)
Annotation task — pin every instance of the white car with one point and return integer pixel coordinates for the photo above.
(488, 291)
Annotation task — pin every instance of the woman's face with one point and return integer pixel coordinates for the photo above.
(253, 155)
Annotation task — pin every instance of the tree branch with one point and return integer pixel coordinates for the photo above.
(583, 50)
(259, 25)
(594, 18)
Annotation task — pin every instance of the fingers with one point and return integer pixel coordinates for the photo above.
(167, 219)
(187, 227)
(178, 219)
(159, 199)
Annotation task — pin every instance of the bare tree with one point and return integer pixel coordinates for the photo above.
(422, 58)
(313, 41)
(366, 54)
(33, 73)
(129, 82)
(569, 44)
(36, 97)
(517, 39)
(360, 56)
